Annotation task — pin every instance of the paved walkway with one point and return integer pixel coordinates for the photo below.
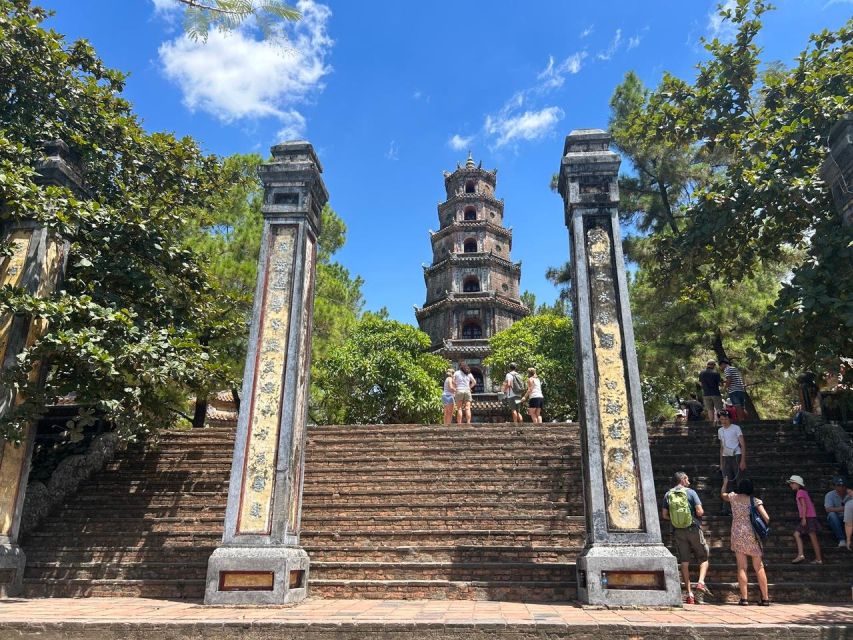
(58, 617)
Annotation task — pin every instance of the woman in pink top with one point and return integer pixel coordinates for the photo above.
(808, 521)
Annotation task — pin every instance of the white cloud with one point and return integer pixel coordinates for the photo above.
(459, 143)
(553, 75)
(718, 27)
(509, 126)
(614, 46)
(234, 76)
(634, 41)
(162, 7)
(393, 151)
(832, 2)
(583, 34)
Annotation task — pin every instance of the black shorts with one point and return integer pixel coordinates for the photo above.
(536, 403)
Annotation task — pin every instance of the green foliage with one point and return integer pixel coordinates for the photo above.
(729, 204)
(126, 331)
(381, 374)
(200, 16)
(768, 200)
(545, 342)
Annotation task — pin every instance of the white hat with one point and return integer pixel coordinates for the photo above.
(797, 479)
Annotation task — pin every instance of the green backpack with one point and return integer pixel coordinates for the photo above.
(679, 509)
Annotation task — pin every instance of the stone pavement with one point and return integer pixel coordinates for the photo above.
(318, 619)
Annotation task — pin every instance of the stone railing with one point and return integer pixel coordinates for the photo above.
(833, 438)
(43, 497)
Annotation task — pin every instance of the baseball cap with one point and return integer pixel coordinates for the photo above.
(797, 479)
(710, 363)
(838, 480)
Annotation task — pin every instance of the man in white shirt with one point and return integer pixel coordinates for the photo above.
(510, 398)
(732, 452)
(465, 382)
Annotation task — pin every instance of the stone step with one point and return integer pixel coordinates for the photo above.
(448, 553)
(149, 588)
(126, 538)
(560, 522)
(558, 485)
(117, 554)
(460, 495)
(444, 590)
(398, 538)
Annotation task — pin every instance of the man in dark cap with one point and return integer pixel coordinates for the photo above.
(711, 396)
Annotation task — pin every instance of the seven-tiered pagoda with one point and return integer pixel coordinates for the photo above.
(472, 284)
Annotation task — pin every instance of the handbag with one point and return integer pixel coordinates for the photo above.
(761, 528)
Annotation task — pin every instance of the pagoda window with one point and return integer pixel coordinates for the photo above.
(469, 186)
(479, 385)
(471, 284)
(470, 246)
(472, 330)
(470, 213)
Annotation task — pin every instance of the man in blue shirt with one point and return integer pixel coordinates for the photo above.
(833, 503)
(689, 541)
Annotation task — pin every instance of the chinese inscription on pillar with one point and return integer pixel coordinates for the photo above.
(620, 473)
(266, 398)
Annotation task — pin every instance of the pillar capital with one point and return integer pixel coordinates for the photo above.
(293, 184)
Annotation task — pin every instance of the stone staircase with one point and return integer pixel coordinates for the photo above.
(490, 511)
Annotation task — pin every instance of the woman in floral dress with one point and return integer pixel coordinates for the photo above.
(744, 542)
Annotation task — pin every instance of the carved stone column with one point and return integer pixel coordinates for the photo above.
(36, 264)
(260, 560)
(624, 561)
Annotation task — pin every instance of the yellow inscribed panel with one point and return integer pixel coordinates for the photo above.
(620, 477)
(266, 398)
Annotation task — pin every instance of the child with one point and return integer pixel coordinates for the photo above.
(808, 521)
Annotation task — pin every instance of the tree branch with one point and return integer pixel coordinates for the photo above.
(206, 7)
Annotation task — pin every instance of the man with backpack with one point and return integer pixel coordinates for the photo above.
(513, 388)
(682, 507)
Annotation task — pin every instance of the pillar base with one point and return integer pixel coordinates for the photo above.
(12, 562)
(257, 575)
(628, 575)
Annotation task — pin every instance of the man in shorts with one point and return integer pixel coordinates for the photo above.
(464, 382)
(511, 399)
(709, 379)
(689, 541)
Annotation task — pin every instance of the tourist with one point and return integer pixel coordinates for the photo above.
(735, 388)
(848, 519)
(732, 452)
(447, 397)
(693, 409)
(808, 521)
(709, 379)
(683, 508)
(464, 382)
(513, 387)
(833, 504)
(744, 541)
(534, 396)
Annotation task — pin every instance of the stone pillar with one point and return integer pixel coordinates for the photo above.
(36, 264)
(624, 562)
(260, 560)
(837, 169)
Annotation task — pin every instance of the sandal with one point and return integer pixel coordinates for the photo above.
(763, 603)
(743, 602)
(816, 562)
(798, 560)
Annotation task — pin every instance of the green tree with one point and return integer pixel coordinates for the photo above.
(545, 342)
(768, 201)
(126, 330)
(200, 16)
(382, 373)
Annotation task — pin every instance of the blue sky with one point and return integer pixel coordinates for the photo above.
(392, 93)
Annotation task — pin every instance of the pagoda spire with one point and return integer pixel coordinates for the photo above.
(469, 164)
